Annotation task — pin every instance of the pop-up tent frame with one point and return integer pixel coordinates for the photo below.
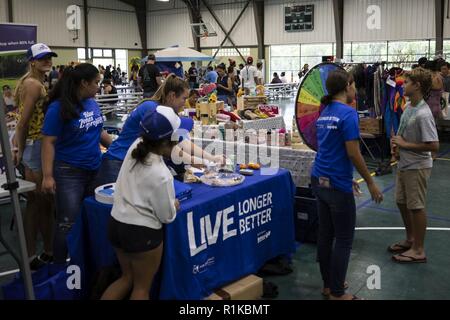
(12, 186)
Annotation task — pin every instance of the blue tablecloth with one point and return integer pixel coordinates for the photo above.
(219, 236)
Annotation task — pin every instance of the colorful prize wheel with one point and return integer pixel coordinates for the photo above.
(310, 92)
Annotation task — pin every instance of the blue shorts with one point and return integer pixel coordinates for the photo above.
(32, 155)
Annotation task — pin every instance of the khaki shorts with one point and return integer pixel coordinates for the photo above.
(411, 188)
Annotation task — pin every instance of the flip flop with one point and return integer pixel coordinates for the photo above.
(327, 294)
(402, 247)
(412, 259)
(354, 298)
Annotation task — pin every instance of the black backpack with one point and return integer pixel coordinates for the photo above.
(147, 81)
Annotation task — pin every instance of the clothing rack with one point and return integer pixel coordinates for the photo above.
(356, 63)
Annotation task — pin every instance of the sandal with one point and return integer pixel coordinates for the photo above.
(398, 247)
(353, 297)
(326, 292)
(410, 259)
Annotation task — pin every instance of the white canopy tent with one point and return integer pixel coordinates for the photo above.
(180, 54)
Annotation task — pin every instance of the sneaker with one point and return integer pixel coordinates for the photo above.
(45, 258)
(36, 264)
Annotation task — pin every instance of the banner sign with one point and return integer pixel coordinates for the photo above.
(16, 37)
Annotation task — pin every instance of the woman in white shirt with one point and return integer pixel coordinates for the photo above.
(144, 200)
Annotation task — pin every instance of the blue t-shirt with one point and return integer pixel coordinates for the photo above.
(78, 140)
(130, 132)
(211, 77)
(337, 124)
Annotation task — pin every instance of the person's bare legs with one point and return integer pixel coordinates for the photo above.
(407, 217)
(144, 266)
(120, 288)
(417, 251)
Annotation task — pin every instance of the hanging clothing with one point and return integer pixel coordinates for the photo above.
(434, 102)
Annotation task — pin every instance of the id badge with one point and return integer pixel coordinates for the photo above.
(29, 142)
(324, 182)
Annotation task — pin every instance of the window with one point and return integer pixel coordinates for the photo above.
(284, 58)
(107, 53)
(408, 51)
(122, 60)
(291, 58)
(98, 52)
(315, 50)
(81, 54)
(399, 53)
(231, 52)
(285, 51)
(446, 49)
(365, 51)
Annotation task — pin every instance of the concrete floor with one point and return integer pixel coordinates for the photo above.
(422, 281)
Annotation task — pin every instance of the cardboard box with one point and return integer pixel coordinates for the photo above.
(371, 125)
(252, 102)
(248, 288)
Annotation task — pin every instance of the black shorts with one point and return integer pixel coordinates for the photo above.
(133, 238)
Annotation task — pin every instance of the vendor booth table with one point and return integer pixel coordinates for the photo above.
(219, 236)
(299, 162)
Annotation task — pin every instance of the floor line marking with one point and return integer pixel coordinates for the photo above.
(397, 228)
(431, 216)
(7, 273)
(367, 202)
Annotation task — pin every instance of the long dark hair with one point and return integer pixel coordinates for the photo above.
(146, 146)
(67, 89)
(337, 82)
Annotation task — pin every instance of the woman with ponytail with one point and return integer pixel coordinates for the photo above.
(144, 200)
(172, 93)
(332, 182)
(31, 96)
(73, 131)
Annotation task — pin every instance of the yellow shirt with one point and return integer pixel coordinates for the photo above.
(37, 118)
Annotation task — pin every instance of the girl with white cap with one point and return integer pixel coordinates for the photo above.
(31, 96)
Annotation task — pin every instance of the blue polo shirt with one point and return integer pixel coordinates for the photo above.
(78, 140)
(337, 124)
(129, 133)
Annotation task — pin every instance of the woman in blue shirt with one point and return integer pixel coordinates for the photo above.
(172, 93)
(332, 181)
(71, 156)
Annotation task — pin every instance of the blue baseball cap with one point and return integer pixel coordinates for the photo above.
(39, 51)
(162, 122)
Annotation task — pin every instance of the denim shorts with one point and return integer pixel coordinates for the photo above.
(32, 155)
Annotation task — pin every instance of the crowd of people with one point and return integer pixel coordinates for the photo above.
(60, 131)
(57, 143)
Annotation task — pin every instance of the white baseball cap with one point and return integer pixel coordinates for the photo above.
(39, 51)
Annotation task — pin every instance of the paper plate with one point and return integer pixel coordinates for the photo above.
(223, 179)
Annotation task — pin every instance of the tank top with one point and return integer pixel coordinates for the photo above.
(223, 81)
(37, 118)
